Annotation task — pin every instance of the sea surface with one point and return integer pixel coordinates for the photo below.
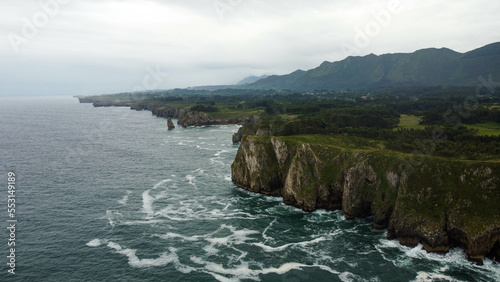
(110, 194)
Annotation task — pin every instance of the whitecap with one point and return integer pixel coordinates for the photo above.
(264, 235)
(96, 243)
(147, 203)
(175, 235)
(160, 183)
(199, 171)
(430, 277)
(210, 250)
(244, 272)
(124, 200)
(220, 153)
(191, 179)
(113, 217)
(349, 277)
(142, 222)
(285, 246)
(164, 258)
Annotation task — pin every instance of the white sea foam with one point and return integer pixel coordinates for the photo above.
(159, 184)
(336, 233)
(199, 171)
(164, 258)
(113, 217)
(191, 179)
(147, 203)
(285, 246)
(244, 271)
(210, 249)
(430, 277)
(222, 278)
(220, 153)
(142, 222)
(124, 200)
(96, 243)
(455, 256)
(237, 236)
(180, 236)
(350, 277)
(264, 235)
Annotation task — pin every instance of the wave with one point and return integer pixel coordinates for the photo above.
(455, 258)
(147, 203)
(96, 243)
(219, 153)
(159, 184)
(430, 277)
(245, 271)
(164, 258)
(285, 246)
(113, 217)
(191, 180)
(124, 200)
(169, 236)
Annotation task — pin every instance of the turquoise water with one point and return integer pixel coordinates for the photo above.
(109, 194)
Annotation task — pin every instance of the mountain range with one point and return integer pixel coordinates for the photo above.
(426, 67)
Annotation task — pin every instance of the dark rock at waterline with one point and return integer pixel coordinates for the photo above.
(442, 203)
(170, 123)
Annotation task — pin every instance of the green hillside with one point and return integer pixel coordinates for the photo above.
(427, 67)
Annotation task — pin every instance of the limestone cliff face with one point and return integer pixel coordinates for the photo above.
(450, 204)
(166, 112)
(195, 119)
(170, 124)
(439, 203)
(253, 159)
(301, 187)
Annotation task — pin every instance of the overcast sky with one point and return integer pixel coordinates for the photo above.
(72, 47)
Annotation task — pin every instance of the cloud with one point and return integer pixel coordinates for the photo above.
(91, 47)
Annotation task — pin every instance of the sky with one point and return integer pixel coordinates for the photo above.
(72, 47)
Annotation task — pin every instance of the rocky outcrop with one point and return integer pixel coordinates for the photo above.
(256, 157)
(170, 124)
(168, 112)
(440, 203)
(186, 117)
(255, 125)
(195, 119)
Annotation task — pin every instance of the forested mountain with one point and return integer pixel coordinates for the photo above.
(427, 67)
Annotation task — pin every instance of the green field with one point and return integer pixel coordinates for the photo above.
(410, 122)
(490, 128)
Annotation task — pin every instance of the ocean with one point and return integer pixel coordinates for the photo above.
(110, 194)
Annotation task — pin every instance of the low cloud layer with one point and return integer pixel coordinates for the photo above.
(70, 47)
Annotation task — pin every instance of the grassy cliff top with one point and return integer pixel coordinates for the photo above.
(355, 144)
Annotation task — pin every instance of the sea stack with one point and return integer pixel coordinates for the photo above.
(170, 124)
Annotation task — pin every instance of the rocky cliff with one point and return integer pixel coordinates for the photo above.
(170, 124)
(186, 116)
(441, 203)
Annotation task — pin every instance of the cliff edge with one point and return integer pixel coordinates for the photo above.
(439, 202)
